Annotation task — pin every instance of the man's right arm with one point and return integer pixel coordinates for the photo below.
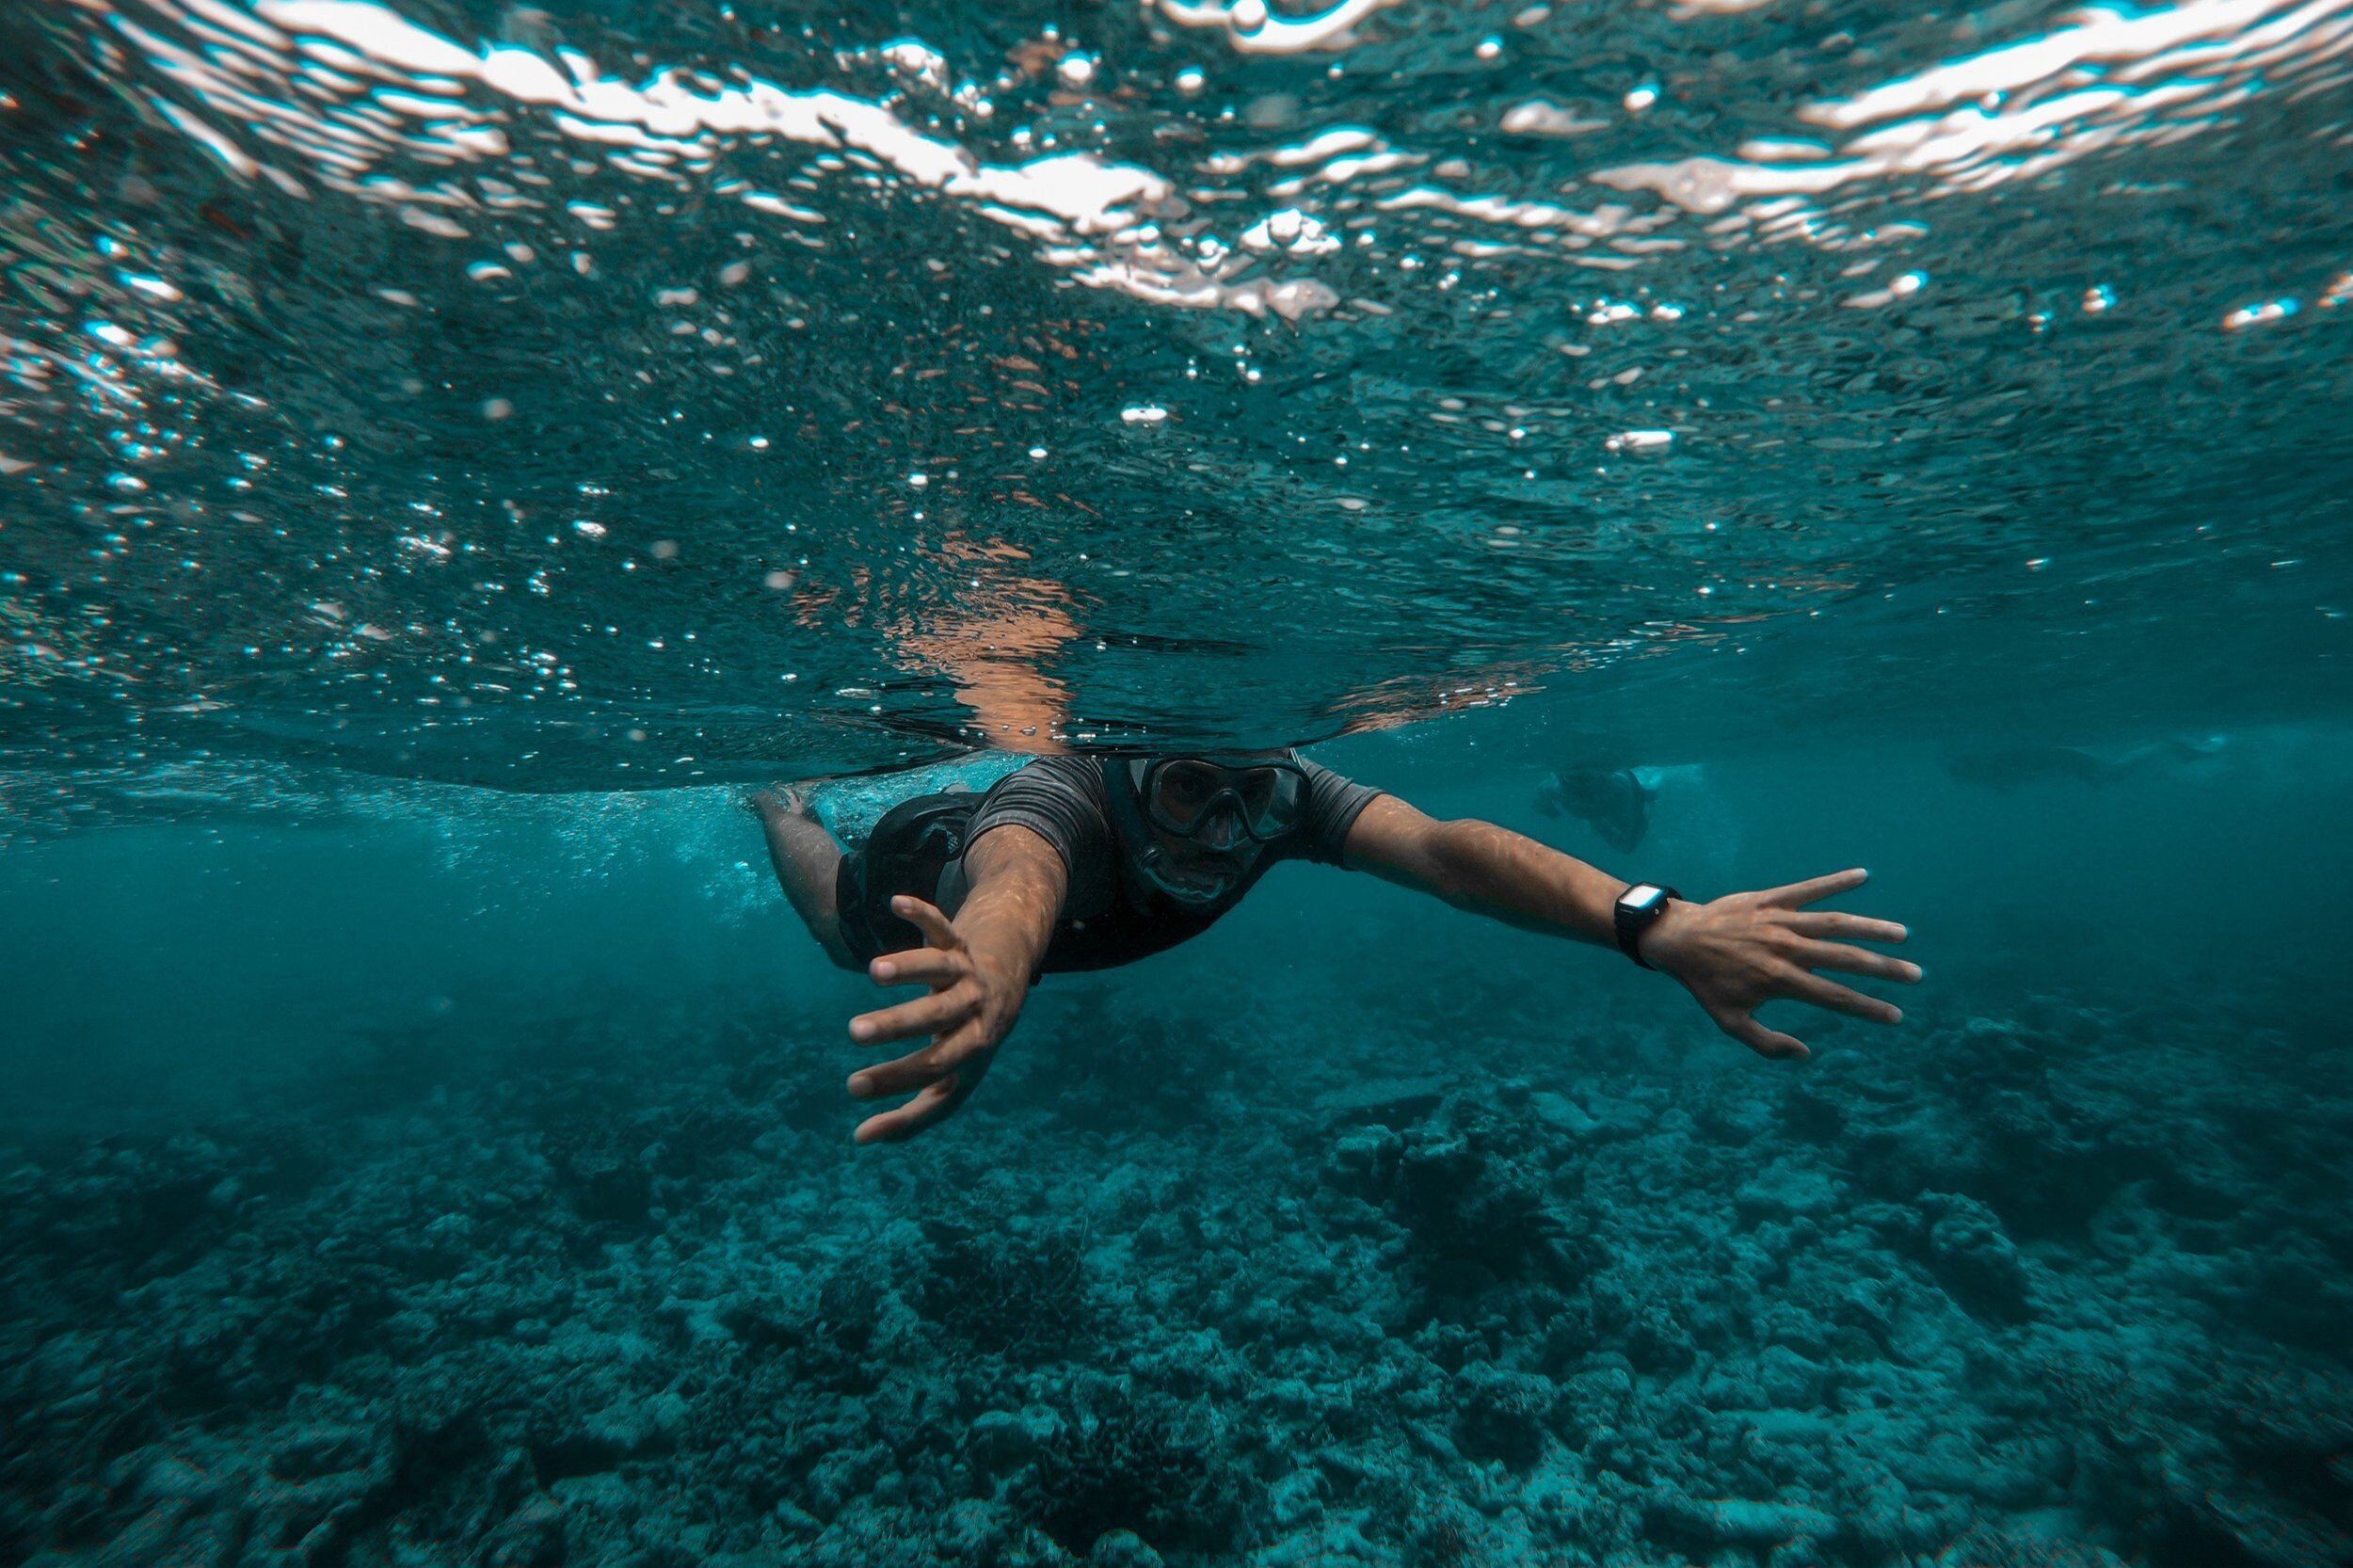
(979, 968)
(1017, 884)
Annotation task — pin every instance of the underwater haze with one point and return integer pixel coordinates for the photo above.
(450, 451)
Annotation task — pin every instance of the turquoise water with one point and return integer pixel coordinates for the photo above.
(448, 451)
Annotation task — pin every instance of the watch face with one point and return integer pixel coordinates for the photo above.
(1640, 896)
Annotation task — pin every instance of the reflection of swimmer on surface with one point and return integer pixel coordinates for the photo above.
(1087, 862)
(2008, 767)
(1614, 802)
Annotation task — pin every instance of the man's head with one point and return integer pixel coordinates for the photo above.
(1209, 817)
(1614, 801)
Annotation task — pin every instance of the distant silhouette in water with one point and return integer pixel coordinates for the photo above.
(1614, 802)
(2008, 767)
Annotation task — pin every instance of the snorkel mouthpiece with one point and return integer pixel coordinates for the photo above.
(1153, 865)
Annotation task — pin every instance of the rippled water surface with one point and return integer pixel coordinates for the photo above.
(625, 392)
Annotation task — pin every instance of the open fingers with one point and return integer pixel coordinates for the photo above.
(938, 1101)
(911, 1071)
(1797, 893)
(1838, 999)
(1837, 956)
(1831, 924)
(1745, 1028)
(927, 919)
(930, 1014)
(919, 967)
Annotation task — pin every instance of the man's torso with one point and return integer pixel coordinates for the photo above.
(1110, 915)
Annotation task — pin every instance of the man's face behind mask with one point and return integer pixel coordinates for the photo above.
(1210, 819)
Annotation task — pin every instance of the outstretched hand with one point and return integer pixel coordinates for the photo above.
(1739, 951)
(970, 1009)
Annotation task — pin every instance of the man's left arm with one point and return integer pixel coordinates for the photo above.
(1733, 954)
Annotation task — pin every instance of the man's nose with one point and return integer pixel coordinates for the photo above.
(1222, 830)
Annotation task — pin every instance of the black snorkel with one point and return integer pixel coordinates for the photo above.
(1141, 847)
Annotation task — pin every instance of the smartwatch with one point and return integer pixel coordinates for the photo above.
(1637, 910)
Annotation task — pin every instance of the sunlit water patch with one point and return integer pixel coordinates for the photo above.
(654, 394)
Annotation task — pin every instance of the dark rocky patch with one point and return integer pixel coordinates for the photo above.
(2047, 1290)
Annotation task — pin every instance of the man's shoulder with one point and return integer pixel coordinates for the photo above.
(1059, 798)
(1056, 773)
(1064, 764)
(1069, 789)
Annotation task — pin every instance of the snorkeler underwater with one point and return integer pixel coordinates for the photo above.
(1197, 782)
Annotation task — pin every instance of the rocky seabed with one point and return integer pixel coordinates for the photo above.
(2067, 1286)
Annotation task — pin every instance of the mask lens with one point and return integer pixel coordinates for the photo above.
(1270, 799)
(1256, 789)
(1185, 792)
(1182, 793)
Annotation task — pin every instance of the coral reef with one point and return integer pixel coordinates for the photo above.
(2059, 1290)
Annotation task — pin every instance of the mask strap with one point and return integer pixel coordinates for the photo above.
(1126, 814)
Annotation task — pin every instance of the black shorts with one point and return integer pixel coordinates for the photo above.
(915, 841)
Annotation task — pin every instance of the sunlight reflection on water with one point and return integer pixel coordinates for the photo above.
(472, 393)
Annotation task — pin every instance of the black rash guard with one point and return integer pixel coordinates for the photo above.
(1110, 914)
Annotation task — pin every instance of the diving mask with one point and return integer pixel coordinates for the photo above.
(1182, 796)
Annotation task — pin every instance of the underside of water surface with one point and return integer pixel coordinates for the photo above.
(449, 451)
(540, 397)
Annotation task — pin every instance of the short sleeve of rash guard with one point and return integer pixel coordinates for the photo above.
(1334, 805)
(1061, 800)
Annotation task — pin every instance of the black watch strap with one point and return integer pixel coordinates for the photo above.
(1632, 920)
